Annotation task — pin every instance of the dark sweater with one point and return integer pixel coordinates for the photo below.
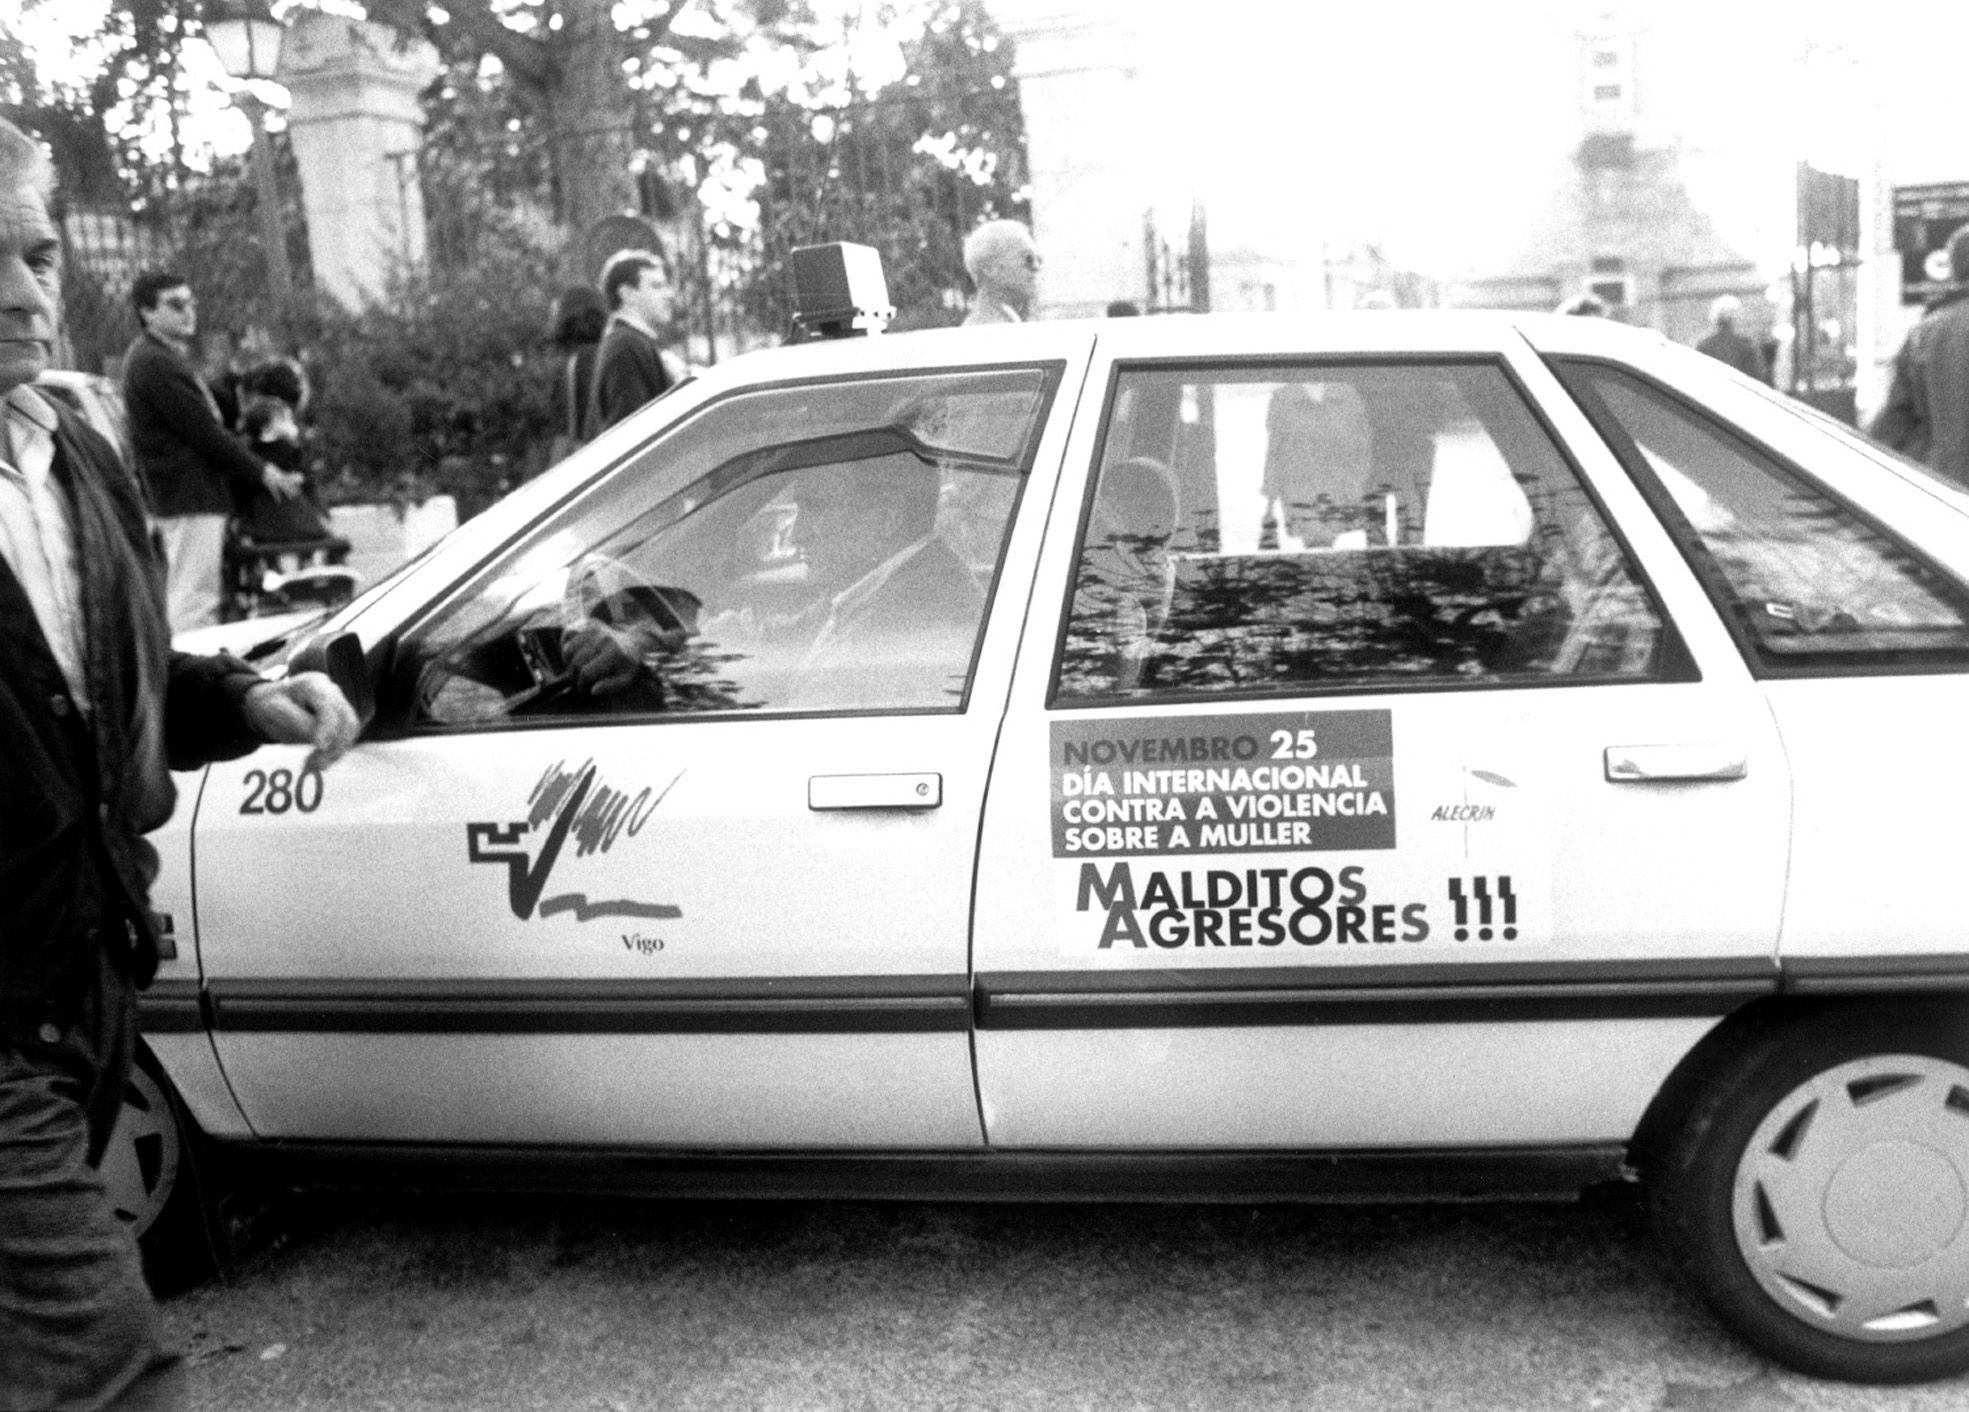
(78, 791)
(629, 372)
(192, 464)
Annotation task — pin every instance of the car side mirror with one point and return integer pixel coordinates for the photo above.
(339, 656)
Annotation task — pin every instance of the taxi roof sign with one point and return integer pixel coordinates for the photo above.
(839, 291)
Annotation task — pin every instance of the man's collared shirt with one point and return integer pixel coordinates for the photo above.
(624, 316)
(36, 534)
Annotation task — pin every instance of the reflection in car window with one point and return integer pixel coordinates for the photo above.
(1258, 531)
(1809, 581)
(828, 547)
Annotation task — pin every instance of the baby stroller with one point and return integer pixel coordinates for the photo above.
(283, 555)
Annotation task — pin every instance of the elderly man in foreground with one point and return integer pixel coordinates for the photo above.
(95, 709)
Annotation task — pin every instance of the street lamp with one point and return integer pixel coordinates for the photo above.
(246, 37)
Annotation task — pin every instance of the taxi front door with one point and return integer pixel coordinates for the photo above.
(733, 915)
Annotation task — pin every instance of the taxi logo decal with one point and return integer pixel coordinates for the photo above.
(569, 804)
(1468, 811)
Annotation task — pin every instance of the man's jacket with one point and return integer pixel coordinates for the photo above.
(1926, 414)
(1726, 345)
(629, 372)
(193, 465)
(78, 790)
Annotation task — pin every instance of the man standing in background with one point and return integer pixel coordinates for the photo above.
(196, 470)
(1003, 263)
(1726, 345)
(630, 367)
(1926, 414)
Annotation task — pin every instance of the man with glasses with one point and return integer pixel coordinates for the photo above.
(1003, 262)
(196, 470)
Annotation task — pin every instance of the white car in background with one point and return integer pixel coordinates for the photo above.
(1449, 754)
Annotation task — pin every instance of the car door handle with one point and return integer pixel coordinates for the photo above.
(924, 791)
(1696, 760)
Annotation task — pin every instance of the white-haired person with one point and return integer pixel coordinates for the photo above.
(1725, 344)
(1003, 263)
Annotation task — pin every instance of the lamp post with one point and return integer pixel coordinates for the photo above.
(246, 37)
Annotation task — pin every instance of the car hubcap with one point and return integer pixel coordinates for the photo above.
(1851, 1199)
(140, 1165)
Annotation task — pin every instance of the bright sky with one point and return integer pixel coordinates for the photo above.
(1433, 127)
(50, 28)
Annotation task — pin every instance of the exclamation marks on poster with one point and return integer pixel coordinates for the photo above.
(1494, 903)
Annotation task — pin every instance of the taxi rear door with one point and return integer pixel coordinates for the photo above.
(1396, 788)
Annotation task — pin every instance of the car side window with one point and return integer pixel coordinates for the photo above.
(819, 548)
(1342, 525)
(1809, 582)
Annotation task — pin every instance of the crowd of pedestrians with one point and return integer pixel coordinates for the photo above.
(612, 336)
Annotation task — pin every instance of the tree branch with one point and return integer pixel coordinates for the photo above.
(472, 29)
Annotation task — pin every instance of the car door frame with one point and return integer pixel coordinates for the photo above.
(252, 1010)
(1153, 1022)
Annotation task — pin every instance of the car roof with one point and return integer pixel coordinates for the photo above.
(1376, 332)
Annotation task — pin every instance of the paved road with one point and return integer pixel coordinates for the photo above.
(617, 1306)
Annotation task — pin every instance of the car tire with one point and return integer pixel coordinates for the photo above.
(1816, 1192)
(153, 1174)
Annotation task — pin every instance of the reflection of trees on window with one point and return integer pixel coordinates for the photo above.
(1248, 622)
(846, 568)
(1488, 563)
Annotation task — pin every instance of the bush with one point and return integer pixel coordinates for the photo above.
(445, 385)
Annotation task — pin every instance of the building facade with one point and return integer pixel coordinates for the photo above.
(1620, 222)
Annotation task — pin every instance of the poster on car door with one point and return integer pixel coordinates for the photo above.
(1295, 837)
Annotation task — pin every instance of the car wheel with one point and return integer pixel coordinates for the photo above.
(152, 1179)
(1817, 1193)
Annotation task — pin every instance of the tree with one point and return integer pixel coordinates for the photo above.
(566, 77)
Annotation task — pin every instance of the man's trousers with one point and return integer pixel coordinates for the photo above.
(78, 1326)
(194, 569)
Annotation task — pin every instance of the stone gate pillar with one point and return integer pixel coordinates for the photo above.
(1085, 146)
(356, 125)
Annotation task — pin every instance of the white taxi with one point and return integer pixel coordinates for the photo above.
(1441, 754)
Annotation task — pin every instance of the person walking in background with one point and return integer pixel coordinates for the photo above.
(631, 368)
(1726, 345)
(196, 470)
(95, 711)
(1003, 263)
(578, 320)
(1926, 414)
